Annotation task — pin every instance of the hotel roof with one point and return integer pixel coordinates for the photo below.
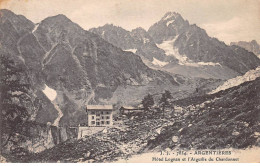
(99, 107)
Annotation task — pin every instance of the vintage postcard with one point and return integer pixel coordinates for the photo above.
(130, 81)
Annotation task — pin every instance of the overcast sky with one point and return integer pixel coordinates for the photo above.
(228, 20)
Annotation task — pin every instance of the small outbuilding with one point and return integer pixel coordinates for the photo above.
(129, 109)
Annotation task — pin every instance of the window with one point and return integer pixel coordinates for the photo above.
(92, 112)
(102, 122)
(93, 122)
(102, 117)
(98, 123)
(107, 117)
(107, 112)
(93, 117)
(108, 122)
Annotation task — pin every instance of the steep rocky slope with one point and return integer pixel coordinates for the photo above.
(137, 41)
(13, 29)
(227, 119)
(78, 65)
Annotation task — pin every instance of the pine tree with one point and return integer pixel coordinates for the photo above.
(164, 101)
(148, 102)
(13, 113)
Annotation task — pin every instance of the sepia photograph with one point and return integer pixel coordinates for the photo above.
(130, 81)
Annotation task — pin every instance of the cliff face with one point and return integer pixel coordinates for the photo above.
(36, 137)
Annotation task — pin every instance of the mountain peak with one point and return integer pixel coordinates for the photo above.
(109, 25)
(6, 12)
(139, 29)
(11, 15)
(170, 16)
(173, 18)
(19, 22)
(254, 42)
(60, 18)
(61, 22)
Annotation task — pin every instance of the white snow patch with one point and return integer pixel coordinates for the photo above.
(209, 64)
(169, 49)
(146, 40)
(169, 22)
(103, 33)
(258, 56)
(158, 62)
(167, 46)
(248, 76)
(48, 53)
(131, 50)
(60, 114)
(50, 93)
(35, 28)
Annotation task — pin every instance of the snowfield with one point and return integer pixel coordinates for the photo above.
(248, 76)
(158, 62)
(35, 28)
(168, 47)
(131, 50)
(50, 93)
(169, 22)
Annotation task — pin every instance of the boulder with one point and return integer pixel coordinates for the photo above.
(235, 133)
(175, 139)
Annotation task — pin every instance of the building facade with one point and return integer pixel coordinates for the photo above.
(100, 115)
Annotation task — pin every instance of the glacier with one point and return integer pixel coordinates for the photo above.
(248, 76)
(169, 50)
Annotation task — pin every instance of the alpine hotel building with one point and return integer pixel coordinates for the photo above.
(100, 115)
